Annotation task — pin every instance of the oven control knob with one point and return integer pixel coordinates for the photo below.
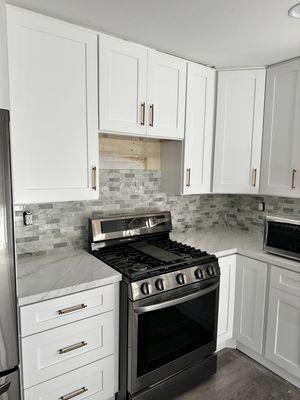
(146, 288)
(210, 270)
(199, 274)
(181, 279)
(160, 284)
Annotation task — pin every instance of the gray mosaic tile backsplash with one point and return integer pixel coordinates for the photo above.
(61, 226)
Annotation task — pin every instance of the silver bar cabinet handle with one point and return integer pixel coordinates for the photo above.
(188, 177)
(293, 178)
(254, 175)
(151, 119)
(72, 347)
(72, 309)
(143, 110)
(74, 394)
(94, 172)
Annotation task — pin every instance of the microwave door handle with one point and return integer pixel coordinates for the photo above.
(174, 302)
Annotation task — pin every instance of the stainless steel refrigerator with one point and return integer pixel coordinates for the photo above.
(9, 374)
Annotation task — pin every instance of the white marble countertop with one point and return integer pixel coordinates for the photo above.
(224, 241)
(46, 277)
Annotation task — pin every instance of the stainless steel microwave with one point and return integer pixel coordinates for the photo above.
(282, 237)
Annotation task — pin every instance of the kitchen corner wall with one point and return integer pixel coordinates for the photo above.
(62, 226)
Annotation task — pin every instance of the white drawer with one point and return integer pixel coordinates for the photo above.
(94, 381)
(63, 310)
(57, 351)
(285, 280)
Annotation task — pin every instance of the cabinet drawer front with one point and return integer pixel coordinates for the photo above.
(94, 381)
(57, 351)
(53, 313)
(283, 279)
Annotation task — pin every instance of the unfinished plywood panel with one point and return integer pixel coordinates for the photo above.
(129, 153)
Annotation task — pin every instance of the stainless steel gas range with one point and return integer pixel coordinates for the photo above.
(168, 305)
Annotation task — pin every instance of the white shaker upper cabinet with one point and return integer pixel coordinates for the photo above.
(166, 95)
(199, 129)
(54, 109)
(239, 123)
(122, 86)
(281, 143)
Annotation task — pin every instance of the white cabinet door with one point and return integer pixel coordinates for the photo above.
(122, 86)
(281, 141)
(239, 123)
(283, 331)
(166, 95)
(4, 91)
(54, 108)
(251, 278)
(226, 298)
(199, 129)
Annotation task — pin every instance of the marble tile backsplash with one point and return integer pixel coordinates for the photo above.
(61, 226)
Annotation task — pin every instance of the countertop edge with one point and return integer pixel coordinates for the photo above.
(52, 294)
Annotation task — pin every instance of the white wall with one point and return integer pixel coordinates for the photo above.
(4, 91)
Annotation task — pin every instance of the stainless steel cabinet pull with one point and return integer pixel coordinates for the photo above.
(188, 177)
(73, 347)
(74, 394)
(94, 171)
(151, 119)
(72, 309)
(254, 174)
(143, 105)
(293, 178)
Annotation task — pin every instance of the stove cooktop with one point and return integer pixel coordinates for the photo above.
(151, 257)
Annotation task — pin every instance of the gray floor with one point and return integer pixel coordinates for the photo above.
(241, 378)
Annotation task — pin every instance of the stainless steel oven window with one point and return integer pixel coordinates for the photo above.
(167, 334)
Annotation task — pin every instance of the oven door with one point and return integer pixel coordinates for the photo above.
(170, 332)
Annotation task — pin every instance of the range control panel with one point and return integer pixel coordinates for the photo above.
(172, 280)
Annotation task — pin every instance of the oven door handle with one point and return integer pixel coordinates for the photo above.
(174, 302)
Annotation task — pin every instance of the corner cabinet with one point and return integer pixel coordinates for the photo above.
(239, 124)
(281, 155)
(251, 281)
(141, 91)
(54, 108)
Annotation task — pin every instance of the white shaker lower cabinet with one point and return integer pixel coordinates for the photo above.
(54, 108)
(94, 381)
(166, 95)
(281, 141)
(226, 299)
(283, 327)
(239, 124)
(64, 359)
(251, 276)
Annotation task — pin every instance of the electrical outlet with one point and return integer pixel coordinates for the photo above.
(27, 218)
(261, 206)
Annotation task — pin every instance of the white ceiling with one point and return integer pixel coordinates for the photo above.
(223, 33)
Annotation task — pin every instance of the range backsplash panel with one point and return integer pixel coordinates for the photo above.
(62, 226)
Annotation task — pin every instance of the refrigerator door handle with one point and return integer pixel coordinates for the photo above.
(4, 388)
